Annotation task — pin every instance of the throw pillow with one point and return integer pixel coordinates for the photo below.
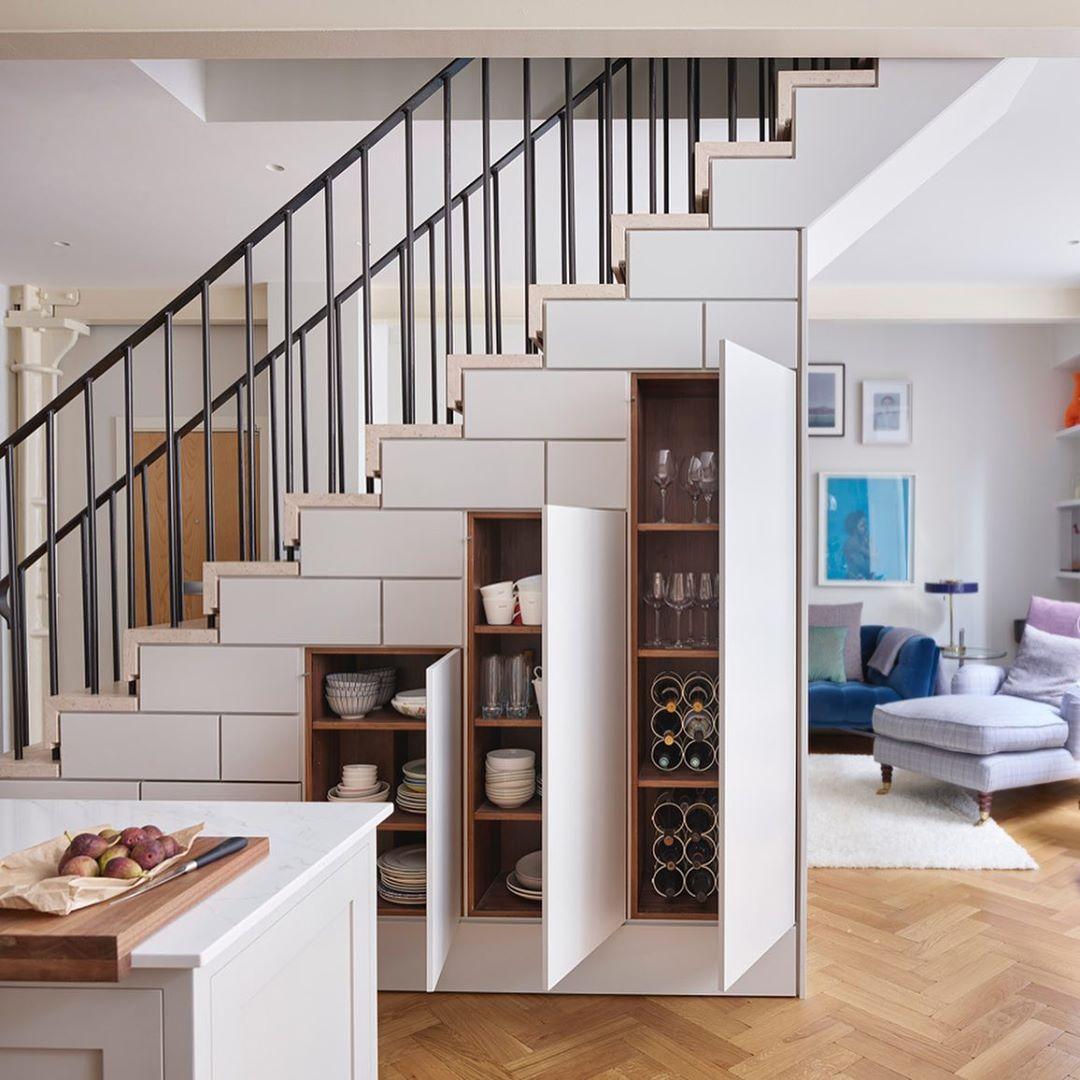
(1054, 616)
(827, 653)
(849, 616)
(1046, 666)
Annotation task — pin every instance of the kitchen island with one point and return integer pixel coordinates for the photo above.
(271, 976)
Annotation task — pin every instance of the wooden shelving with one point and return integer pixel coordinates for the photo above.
(530, 811)
(380, 720)
(403, 821)
(497, 901)
(649, 776)
(677, 527)
(513, 628)
(678, 654)
(507, 722)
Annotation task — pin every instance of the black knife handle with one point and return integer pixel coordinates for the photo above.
(226, 847)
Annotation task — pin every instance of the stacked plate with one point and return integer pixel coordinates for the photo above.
(403, 875)
(526, 879)
(411, 703)
(412, 791)
(510, 777)
(359, 783)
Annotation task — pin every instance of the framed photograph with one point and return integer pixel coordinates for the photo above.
(886, 412)
(825, 397)
(866, 529)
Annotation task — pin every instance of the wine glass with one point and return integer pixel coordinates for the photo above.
(690, 478)
(704, 600)
(655, 596)
(710, 480)
(678, 599)
(691, 591)
(664, 468)
(714, 603)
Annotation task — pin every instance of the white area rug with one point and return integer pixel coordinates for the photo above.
(921, 824)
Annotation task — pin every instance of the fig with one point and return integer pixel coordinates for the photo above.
(152, 832)
(110, 834)
(124, 868)
(131, 836)
(88, 844)
(148, 854)
(80, 866)
(170, 846)
(117, 851)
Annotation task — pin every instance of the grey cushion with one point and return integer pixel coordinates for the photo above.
(849, 615)
(973, 724)
(993, 772)
(1046, 666)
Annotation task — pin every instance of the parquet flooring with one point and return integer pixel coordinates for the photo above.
(918, 974)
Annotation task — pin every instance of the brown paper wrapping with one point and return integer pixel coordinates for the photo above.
(28, 880)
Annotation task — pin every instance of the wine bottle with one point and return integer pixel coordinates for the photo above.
(699, 756)
(667, 881)
(699, 850)
(665, 722)
(667, 815)
(700, 883)
(666, 753)
(698, 691)
(666, 691)
(668, 848)
(700, 818)
(698, 726)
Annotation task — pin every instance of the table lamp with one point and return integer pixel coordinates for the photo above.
(950, 587)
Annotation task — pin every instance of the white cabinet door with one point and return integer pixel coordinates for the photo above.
(584, 733)
(443, 810)
(757, 706)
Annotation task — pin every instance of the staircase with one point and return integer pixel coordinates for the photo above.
(514, 430)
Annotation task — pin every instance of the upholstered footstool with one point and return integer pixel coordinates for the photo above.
(983, 742)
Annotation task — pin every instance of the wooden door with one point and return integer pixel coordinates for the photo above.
(443, 810)
(757, 703)
(227, 520)
(584, 733)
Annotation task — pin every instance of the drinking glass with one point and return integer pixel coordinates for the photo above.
(704, 600)
(710, 480)
(691, 592)
(518, 682)
(655, 594)
(678, 599)
(493, 687)
(714, 603)
(664, 468)
(690, 478)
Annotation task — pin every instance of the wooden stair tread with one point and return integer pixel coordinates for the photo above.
(296, 501)
(458, 363)
(374, 434)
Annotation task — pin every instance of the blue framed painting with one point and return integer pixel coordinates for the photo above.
(866, 528)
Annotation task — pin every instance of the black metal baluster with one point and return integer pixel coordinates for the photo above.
(304, 460)
(498, 263)
(365, 269)
(91, 535)
(129, 481)
(114, 591)
(23, 681)
(180, 526)
(240, 528)
(762, 79)
(448, 241)
(629, 135)
(771, 97)
(339, 393)
(289, 454)
(433, 325)
(568, 135)
(249, 347)
(18, 719)
(331, 339)
(690, 134)
(175, 571)
(528, 191)
(50, 540)
(733, 99)
(609, 165)
(275, 480)
(403, 318)
(485, 111)
(603, 273)
(88, 633)
(208, 413)
(147, 583)
(409, 295)
(667, 136)
(562, 199)
(466, 246)
(652, 136)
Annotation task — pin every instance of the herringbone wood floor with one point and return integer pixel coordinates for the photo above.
(919, 974)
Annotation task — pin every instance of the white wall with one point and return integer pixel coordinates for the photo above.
(988, 468)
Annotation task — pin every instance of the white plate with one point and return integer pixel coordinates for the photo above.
(517, 889)
(407, 858)
(379, 795)
(529, 869)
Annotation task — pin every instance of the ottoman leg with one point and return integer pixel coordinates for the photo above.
(886, 780)
(985, 798)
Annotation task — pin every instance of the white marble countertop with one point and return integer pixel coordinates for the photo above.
(306, 839)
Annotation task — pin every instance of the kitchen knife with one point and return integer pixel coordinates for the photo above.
(219, 851)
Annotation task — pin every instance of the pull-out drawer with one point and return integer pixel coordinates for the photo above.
(222, 792)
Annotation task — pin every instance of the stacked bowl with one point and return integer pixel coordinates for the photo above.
(403, 875)
(359, 783)
(510, 777)
(412, 791)
(353, 694)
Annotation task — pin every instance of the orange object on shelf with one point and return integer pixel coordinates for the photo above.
(1072, 412)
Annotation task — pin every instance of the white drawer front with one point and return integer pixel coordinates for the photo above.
(222, 792)
(298, 611)
(768, 327)
(622, 334)
(759, 264)
(547, 404)
(220, 678)
(261, 748)
(422, 612)
(454, 474)
(382, 543)
(68, 789)
(139, 746)
(587, 474)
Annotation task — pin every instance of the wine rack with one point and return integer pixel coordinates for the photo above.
(684, 848)
(683, 722)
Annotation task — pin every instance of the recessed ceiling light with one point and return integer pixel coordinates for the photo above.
(61, 243)
(274, 166)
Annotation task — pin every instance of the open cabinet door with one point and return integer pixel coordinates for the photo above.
(443, 810)
(758, 649)
(584, 733)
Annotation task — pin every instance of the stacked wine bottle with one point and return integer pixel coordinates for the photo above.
(684, 848)
(683, 721)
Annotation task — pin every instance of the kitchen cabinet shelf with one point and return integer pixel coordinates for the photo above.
(507, 722)
(678, 654)
(530, 811)
(498, 901)
(651, 777)
(380, 720)
(399, 911)
(676, 527)
(513, 628)
(403, 821)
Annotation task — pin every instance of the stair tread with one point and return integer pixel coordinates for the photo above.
(375, 434)
(621, 224)
(458, 363)
(787, 82)
(214, 571)
(347, 500)
(189, 632)
(584, 291)
(704, 152)
(37, 764)
(112, 697)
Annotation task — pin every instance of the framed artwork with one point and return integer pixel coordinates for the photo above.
(886, 412)
(866, 529)
(825, 397)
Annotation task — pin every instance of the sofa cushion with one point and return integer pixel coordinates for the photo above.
(1054, 616)
(972, 724)
(826, 659)
(849, 615)
(1046, 666)
(846, 705)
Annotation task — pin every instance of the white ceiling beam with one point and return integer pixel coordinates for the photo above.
(943, 304)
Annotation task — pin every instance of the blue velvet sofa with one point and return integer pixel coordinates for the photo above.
(850, 706)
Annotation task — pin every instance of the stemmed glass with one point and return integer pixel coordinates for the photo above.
(664, 468)
(690, 478)
(655, 596)
(678, 599)
(714, 603)
(704, 600)
(691, 591)
(710, 480)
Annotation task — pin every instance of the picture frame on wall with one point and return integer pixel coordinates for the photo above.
(825, 400)
(866, 529)
(886, 412)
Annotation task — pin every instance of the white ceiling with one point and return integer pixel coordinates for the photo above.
(99, 154)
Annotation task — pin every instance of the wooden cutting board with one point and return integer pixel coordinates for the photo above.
(94, 944)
